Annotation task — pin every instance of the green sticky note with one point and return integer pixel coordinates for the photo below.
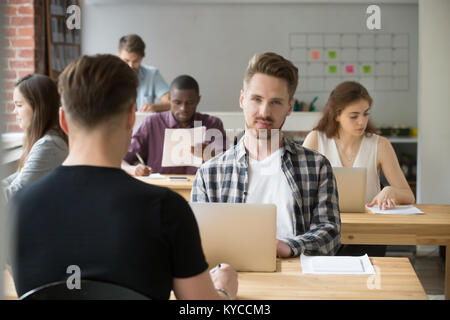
(332, 54)
(332, 69)
(366, 68)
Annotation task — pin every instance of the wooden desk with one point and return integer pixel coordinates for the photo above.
(397, 281)
(183, 188)
(431, 228)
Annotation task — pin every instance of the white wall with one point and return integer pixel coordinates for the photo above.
(434, 102)
(213, 41)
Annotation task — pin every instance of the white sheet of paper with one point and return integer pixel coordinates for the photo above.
(154, 176)
(177, 147)
(405, 209)
(336, 265)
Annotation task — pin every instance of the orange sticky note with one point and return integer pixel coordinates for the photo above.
(315, 54)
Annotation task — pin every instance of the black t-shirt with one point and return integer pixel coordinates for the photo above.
(115, 228)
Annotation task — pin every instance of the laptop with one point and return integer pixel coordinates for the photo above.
(351, 184)
(242, 235)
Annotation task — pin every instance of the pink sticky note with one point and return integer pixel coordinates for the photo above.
(350, 69)
(315, 54)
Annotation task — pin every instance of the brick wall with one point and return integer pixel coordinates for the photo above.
(24, 48)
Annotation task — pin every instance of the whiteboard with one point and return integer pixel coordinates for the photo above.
(213, 43)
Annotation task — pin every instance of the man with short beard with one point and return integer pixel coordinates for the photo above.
(267, 167)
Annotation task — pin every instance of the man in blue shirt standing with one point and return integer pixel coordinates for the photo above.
(151, 84)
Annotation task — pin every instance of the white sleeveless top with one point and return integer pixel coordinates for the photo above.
(366, 158)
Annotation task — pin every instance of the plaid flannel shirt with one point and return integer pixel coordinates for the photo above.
(309, 174)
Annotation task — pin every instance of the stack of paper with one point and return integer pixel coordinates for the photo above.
(154, 176)
(336, 265)
(407, 209)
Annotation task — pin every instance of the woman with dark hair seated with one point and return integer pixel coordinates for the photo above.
(347, 138)
(37, 102)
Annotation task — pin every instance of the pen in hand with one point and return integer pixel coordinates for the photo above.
(143, 170)
(140, 158)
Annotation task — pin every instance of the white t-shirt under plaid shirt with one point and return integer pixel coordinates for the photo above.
(316, 217)
(268, 184)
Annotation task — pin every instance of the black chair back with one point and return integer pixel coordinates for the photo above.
(90, 290)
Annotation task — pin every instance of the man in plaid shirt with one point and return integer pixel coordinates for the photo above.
(267, 167)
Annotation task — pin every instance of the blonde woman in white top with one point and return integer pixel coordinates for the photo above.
(347, 138)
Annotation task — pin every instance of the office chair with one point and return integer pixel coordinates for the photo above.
(90, 290)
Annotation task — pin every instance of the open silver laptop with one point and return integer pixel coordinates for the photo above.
(351, 184)
(240, 234)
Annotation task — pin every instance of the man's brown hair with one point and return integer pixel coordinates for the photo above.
(272, 64)
(344, 94)
(96, 88)
(133, 44)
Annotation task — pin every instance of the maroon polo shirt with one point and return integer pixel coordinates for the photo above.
(148, 140)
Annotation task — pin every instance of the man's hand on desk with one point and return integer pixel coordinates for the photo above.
(138, 170)
(283, 249)
(147, 107)
(225, 278)
(207, 146)
(142, 170)
(154, 107)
